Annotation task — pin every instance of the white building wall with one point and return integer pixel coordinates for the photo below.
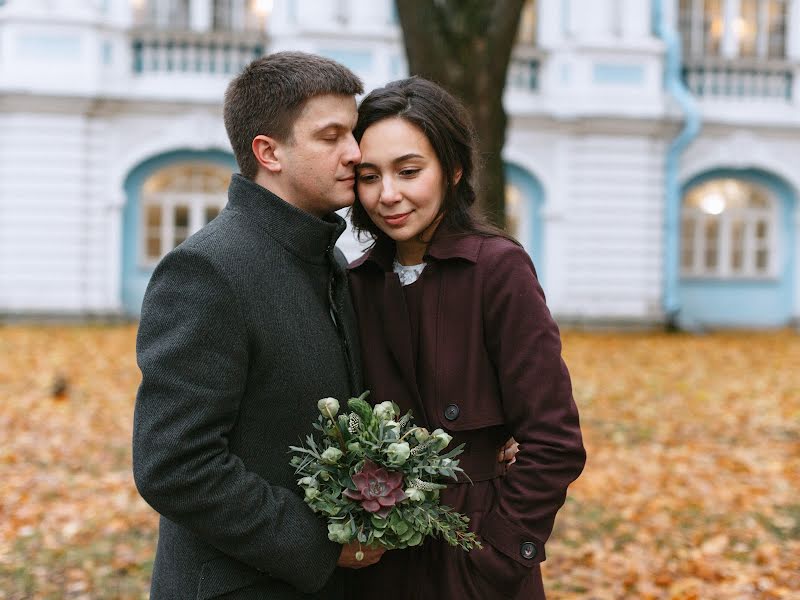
(613, 227)
(46, 229)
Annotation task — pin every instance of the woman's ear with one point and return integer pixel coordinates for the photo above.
(265, 150)
(457, 176)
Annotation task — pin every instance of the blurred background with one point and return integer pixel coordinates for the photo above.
(650, 153)
(645, 152)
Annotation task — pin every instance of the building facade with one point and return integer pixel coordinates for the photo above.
(652, 149)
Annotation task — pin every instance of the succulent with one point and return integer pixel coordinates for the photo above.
(378, 490)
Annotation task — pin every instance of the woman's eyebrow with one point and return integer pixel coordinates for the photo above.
(399, 159)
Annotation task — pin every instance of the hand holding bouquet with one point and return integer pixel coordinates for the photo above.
(377, 478)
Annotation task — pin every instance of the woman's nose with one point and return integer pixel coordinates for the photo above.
(389, 193)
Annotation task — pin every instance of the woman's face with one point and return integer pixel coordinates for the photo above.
(400, 181)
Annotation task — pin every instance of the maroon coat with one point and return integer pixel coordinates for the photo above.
(488, 366)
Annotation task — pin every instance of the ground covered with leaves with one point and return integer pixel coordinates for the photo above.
(691, 490)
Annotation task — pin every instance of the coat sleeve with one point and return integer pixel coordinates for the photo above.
(192, 349)
(524, 344)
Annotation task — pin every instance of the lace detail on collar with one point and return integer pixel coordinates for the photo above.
(407, 274)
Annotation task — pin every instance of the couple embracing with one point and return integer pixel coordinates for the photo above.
(253, 319)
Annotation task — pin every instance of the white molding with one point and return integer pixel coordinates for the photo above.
(195, 131)
(739, 150)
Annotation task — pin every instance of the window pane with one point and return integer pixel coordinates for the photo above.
(527, 23)
(761, 230)
(712, 239)
(153, 218)
(737, 245)
(713, 26)
(210, 213)
(153, 247)
(181, 223)
(746, 28)
(776, 29)
(152, 228)
(687, 243)
(685, 26)
(762, 261)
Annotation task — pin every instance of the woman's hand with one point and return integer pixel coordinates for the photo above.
(508, 453)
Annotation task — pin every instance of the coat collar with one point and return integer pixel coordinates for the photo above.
(301, 233)
(446, 244)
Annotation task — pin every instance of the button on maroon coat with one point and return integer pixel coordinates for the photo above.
(488, 367)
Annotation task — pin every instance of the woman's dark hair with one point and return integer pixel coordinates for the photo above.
(446, 124)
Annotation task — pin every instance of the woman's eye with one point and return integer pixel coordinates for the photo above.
(409, 172)
(367, 178)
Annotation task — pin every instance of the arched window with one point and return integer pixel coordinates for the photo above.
(176, 202)
(729, 230)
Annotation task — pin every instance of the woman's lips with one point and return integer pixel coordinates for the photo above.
(396, 220)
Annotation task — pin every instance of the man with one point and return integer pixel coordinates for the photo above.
(244, 327)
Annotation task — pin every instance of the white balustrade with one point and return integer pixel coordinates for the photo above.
(209, 53)
(740, 79)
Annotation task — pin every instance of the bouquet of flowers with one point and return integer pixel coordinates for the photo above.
(376, 477)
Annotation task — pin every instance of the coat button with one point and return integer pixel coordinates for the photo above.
(451, 412)
(527, 550)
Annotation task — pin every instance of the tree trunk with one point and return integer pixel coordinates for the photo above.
(465, 46)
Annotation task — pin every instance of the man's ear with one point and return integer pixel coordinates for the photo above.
(265, 150)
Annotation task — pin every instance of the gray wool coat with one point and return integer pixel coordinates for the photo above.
(243, 328)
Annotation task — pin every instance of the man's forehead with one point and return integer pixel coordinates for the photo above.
(327, 110)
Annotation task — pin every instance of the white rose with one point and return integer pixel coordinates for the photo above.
(384, 411)
(328, 407)
(331, 455)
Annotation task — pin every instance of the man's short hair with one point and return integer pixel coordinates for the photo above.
(268, 95)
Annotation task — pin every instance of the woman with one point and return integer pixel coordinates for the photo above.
(454, 326)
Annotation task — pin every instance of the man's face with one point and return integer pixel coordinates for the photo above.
(318, 163)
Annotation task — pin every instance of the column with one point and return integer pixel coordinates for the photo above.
(201, 15)
(729, 47)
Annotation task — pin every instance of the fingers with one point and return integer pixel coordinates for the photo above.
(356, 556)
(508, 453)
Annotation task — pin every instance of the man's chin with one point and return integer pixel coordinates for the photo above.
(344, 202)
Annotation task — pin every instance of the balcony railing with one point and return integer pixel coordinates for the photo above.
(209, 53)
(739, 79)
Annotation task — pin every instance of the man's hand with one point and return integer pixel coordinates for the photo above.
(508, 453)
(352, 551)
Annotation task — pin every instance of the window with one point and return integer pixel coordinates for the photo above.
(526, 34)
(700, 22)
(162, 14)
(241, 15)
(744, 28)
(176, 202)
(728, 229)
